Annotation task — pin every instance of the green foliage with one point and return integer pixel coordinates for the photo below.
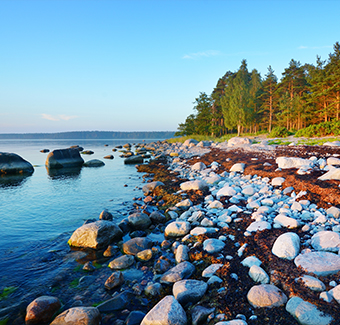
(6, 292)
(323, 129)
(279, 132)
(3, 321)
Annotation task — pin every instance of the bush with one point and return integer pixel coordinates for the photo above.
(279, 132)
(323, 129)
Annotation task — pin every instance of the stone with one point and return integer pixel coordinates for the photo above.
(335, 293)
(177, 229)
(139, 220)
(239, 167)
(258, 226)
(306, 313)
(134, 160)
(135, 245)
(167, 312)
(149, 187)
(78, 316)
(238, 142)
(41, 310)
(250, 261)
(108, 157)
(111, 251)
(203, 230)
(248, 190)
(213, 245)
(122, 262)
(135, 318)
(334, 173)
(181, 271)
(287, 246)
(266, 295)
(184, 204)
(278, 181)
(96, 235)
(157, 217)
(186, 291)
(286, 222)
(64, 158)
(11, 163)
(211, 270)
(105, 215)
(94, 163)
(182, 253)
(233, 322)
(293, 162)
(198, 166)
(333, 161)
(319, 263)
(119, 301)
(333, 212)
(194, 185)
(312, 283)
(189, 142)
(326, 241)
(258, 274)
(145, 255)
(199, 314)
(161, 265)
(226, 191)
(115, 280)
(153, 289)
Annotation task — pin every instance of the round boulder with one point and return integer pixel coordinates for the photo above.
(139, 220)
(266, 295)
(11, 163)
(79, 316)
(136, 245)
(177, 228)
(287, 246)
(42, 310)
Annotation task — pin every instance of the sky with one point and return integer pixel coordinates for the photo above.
(138, 65)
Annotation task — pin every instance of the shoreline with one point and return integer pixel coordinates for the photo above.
(228, 297)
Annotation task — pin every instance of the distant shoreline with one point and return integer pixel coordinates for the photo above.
(92, 135)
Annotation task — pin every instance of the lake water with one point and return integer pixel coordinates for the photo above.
(35, 210)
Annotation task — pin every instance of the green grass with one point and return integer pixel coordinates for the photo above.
(6, 292)
(74, 283)
(279, 142)
(315, 141)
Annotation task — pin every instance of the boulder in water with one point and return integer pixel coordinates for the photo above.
(64, 158)
(11, 163)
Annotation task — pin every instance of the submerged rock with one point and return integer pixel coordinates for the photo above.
(94, 163)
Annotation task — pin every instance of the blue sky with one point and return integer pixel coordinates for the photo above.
(68, 65)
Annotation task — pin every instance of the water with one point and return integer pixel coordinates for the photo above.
(39, 212)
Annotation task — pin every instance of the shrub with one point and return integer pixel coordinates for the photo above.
(279, 132)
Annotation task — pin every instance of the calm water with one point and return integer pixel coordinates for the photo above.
(35, 210)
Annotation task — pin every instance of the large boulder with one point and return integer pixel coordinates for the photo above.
(167, 312)
(139, 220)
(95, 235)
(293, 162)
(136, 245)
(64, 158)
(134, 160)
(287, 246)
(78, 316)
(186, 291)
(266, 295)
(238, 142)
(11, 163)
(326, 241)
(42, 310)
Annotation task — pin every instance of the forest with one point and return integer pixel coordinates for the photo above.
(246, 102)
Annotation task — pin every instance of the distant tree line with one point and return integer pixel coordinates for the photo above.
(91, 135)
(244, 101)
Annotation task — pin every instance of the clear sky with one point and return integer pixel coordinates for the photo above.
(124, 65)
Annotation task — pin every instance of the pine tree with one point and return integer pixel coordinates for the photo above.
(269, 96)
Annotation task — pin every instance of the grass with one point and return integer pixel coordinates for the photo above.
(279, 142)
(199, 137)
(316, 141)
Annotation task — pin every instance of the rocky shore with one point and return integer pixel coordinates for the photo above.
(230, 233)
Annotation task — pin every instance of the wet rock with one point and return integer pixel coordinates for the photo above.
(319, 263)
(134, 318)
(326, 241)
(111, 251)
(138, 233)
(213, 245)
(182, 253)
(137, 244)
(181, 271)
(186, 291)
(105, 215)
(95, 235)
(119, 301)
(94, 163)
(312, 283)
(153, 289)
(287, 246)
(42, 310)
(134, 160)
(109, 157)
(266, 295)
(149, 187)
(200, 314)
(122, 262)
(88, 266)
(177, 228)
(64, 158)
(78, 316)
(139, 220)
(115, 280)
(161, 265)
(306, 313)
(157, 217)
(11, 163)
(167, 312)
(145, 255)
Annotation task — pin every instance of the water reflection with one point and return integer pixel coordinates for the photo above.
(64, 173)
(7, 181)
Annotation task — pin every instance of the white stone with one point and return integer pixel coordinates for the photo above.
(266, 295)
(334, 173)
(285, 221)
(211, 270)
(258, 274)
(226, 191)
(250, 261)
(334, 212)
(326, 241)
(239, 167)
(306, 313)
(287, 246)
(213, 245)
(333, 161)
(296, 206)
(177, 228)
(258, 226)
(184, 204)
(293, 162)
(182, 252)
(278, 181)
(335, 293)
(312, 283)
(215, 205)
(194, 185)
(326, 296)
(202, 230)
(238, 141)
(319, 263)
(248, 190)
(198, 166)
(233, 322)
